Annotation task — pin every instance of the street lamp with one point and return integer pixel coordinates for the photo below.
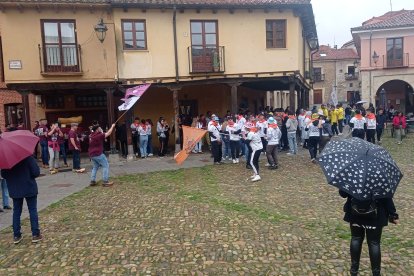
(313, 42)
(375, 58)
(100, 30)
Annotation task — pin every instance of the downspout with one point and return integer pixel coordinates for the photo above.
(311, 64)
(370, 67)
(175, 43)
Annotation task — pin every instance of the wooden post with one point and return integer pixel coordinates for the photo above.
(26, 109)
(292, 96)
(234, 98)
(110, 105)
(176, 116)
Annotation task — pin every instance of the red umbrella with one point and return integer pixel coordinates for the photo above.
(16, 146)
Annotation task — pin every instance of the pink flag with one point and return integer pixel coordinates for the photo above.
(136, 91)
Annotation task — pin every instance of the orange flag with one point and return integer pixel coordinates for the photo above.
(191, 137)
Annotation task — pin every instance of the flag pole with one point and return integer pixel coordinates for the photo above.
(119, 118)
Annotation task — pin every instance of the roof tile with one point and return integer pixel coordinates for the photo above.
(403, 18)
(327, 53)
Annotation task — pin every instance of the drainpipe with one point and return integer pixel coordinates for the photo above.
(370, 65)
(175, 43)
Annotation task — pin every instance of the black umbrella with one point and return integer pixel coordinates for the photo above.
(361, 169)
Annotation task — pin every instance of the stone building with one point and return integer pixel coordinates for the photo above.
(336, 70)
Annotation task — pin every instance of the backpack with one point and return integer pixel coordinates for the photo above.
(364, 208)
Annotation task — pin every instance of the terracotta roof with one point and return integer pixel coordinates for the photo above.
(403, 18)
(327, 53)
(169, 2)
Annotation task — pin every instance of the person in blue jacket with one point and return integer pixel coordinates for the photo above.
(21, 182)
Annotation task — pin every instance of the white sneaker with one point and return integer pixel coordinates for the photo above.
(256, 178)
(253, 176)
(200, 151)
(289, 153)
(267, 165)
(194, 151)
(234, 161)
(237, 160)
(150, 154)
(340, 134)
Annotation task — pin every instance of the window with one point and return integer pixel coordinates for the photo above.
(317, 96)
(90, 101)
(351, 70)
(134, 34)
(317, 74)
(55, 101)
(60, 51)
(394, 52)
(204, 45)
(351, 84)
(275, 33)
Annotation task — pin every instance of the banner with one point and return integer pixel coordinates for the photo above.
(128, 104)
(136, 91)
(191, 136)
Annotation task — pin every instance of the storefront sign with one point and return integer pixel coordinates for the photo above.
(15, 64)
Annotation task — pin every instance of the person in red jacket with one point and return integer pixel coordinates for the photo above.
(399, 123)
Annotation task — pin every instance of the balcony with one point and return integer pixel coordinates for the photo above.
(60, 60)
(318, 77)
(206, 60)
(351, 76)
(404, 61)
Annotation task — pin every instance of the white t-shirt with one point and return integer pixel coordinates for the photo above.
(256, 142)
(358, 123)
(273, 136)
(261, 128)
(142, 131)
(371, 123)
(234, 128)
(215, 130)
(241, 122)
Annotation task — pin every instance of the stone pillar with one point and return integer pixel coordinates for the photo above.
(299, 99)
(26, 109)
(306, 98)
(292, 96)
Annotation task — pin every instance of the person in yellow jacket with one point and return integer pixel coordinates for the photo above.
(334, 120)
(341, 117)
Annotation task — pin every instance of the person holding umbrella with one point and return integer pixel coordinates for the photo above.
(367, 176)
(20, 170)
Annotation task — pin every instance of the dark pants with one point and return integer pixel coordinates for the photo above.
(17, 212)
(264, 143)
(76, 159)
(374, 247)
(217, 152)
(35, 151)
(63, 153)
(163, 146)
(254, 160)
(335, 128)
(248, 155)
(271, 154)
(285, 142)
(135, 144)
(149, 144)
(124, 147)
(45, 152)
(242, 147)
(341, 125)
(360, 133)
(322, 142)
(313, 146)
(379, 133)
(371, 135)
(235, 149)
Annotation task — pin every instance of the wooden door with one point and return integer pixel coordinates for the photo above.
(204, 45)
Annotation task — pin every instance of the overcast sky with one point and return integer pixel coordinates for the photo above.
(335, 18)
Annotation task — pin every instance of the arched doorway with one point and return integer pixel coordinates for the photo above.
(396, 93)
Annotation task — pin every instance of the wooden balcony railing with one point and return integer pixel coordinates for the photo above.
(55, 59)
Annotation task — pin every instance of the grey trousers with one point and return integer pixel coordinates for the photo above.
(271, 154)
(53, 158)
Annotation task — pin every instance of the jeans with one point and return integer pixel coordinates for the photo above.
(271, 153)
(335, 128)
(149, 145)
(5, 193)
(216, 150)
(235, 149)
(341, 125)
(226, 146)
(100, 161)
(143, 143)
(17, 212)
(347, 119)
(374, 248)
(76, 159)
(242, 147)
(199, 146)
(63, 152)
(313, 146)
(292, 142)
(53, 158)
(45, 152)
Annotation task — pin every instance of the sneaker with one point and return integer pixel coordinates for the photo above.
(82, 170)
(267, 165)
(17, 240)
(237, 160)
(253, 176)
(93, 183)
(1, 211)
(313, 160)
(249, 167)
(256, 178)
(340, 134)
(150, 154)
(200, 151)
(107, 183)
(7, 208)
(289, 153)
(37, 238)
(194, 151)
(234, 161)
(65, 165)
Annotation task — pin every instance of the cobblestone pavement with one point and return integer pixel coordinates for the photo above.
(210, 221)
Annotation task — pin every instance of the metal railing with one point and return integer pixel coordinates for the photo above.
(396, 63)
(206, 60)
(60, 59)
(351, 76)
(318, 77)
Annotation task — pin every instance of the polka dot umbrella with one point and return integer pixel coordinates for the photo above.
(363, 170)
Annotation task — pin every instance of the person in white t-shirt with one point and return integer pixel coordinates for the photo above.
(357, 124)
(253, 138)
(234, 130)
(216, 142)
(371, 126)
